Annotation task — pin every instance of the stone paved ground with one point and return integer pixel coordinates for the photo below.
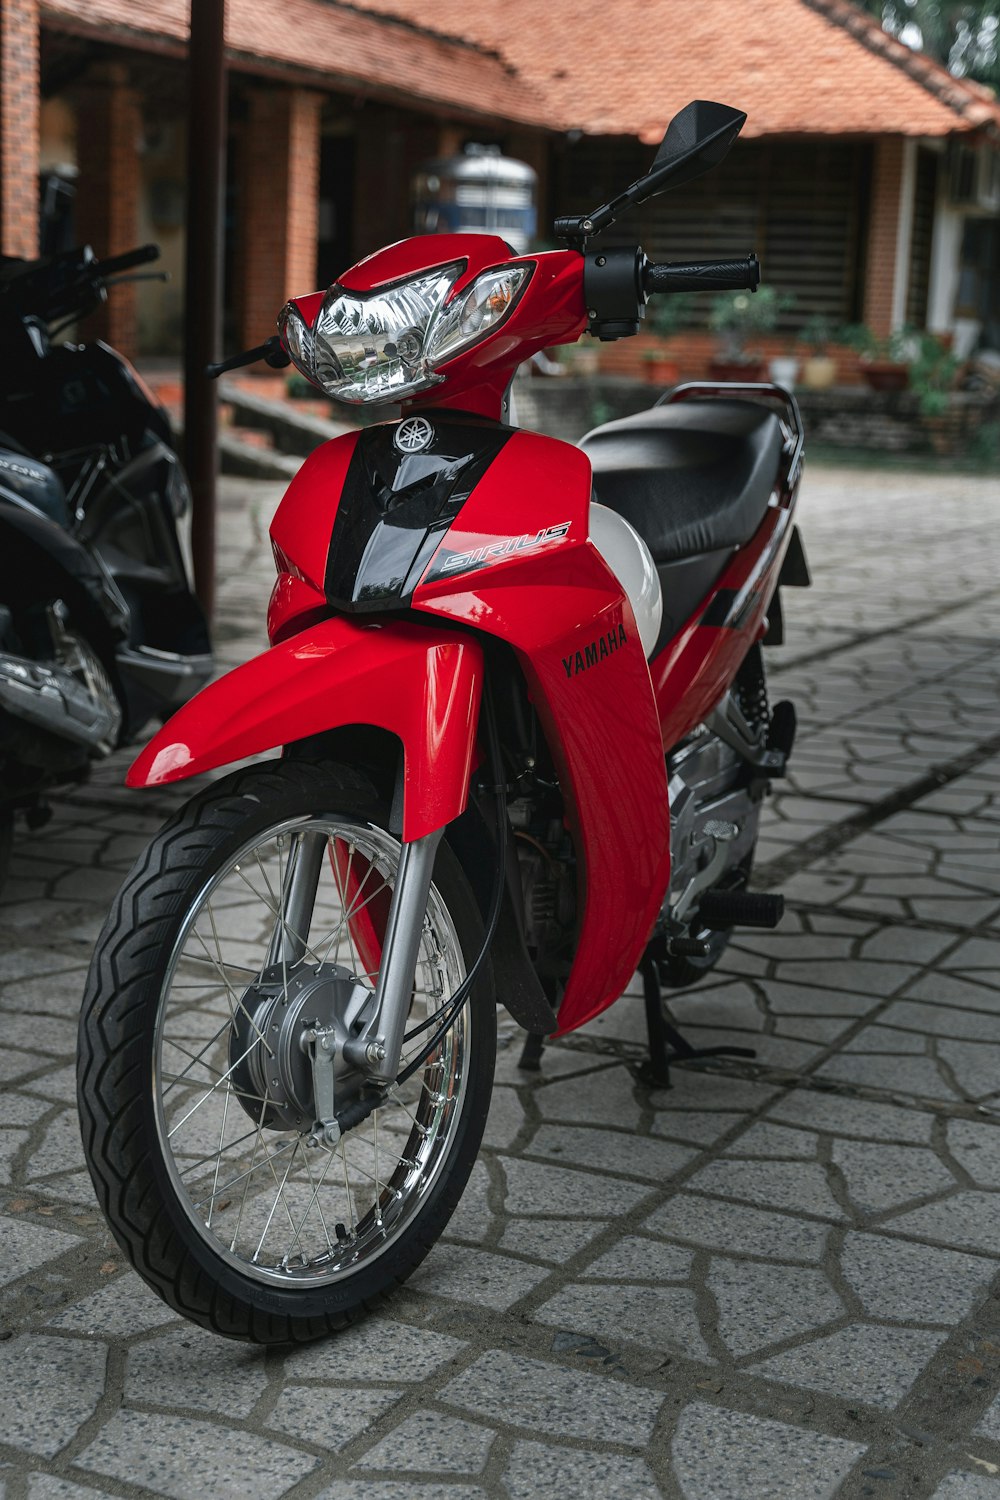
(776, 1280)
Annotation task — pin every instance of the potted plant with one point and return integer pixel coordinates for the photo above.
(665, 316)
(933, 369)
(884, 359)
(819, 369)
(737, 318)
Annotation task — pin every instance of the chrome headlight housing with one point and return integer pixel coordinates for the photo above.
(386, 345)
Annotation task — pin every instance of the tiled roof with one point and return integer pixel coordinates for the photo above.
(325, 40)
(796, 66)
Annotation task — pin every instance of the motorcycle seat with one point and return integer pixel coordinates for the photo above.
(691, 477)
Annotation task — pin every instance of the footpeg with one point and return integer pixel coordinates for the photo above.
(687, 948)
(740, 909)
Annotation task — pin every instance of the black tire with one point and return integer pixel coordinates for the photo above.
(137, 990)
(6, 843)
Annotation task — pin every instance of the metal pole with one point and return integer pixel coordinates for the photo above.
(206, 158)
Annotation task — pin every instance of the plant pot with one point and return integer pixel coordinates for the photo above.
(784, 370)
(885, 374)
(740, 371)
(662, 370)
(819, 372)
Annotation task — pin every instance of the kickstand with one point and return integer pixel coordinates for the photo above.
(656, 1072)
(530, 1060)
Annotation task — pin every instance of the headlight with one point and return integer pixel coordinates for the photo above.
(387, 344)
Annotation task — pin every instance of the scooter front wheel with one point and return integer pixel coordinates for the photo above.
(256, 915)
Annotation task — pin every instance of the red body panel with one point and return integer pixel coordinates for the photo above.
(421, 684)
(694, 670)
(550, 603)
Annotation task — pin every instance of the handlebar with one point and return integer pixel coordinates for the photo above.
(270, 350)
(124, 262)
(703, 276)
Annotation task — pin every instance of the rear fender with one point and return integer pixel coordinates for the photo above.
(421, 684)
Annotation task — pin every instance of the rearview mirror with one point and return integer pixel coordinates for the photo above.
(697, 139)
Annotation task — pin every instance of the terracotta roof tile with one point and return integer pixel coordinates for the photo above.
(607, 67)
(339, 42)
(796, 66)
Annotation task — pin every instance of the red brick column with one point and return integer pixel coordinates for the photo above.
(19, 127)
(109, 130)
(279, 222)
(883, 230)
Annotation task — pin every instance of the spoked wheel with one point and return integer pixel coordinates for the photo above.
(256, 916)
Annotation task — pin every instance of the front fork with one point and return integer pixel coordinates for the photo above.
(376, 1048)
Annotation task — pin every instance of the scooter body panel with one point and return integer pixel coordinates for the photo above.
(419, 683)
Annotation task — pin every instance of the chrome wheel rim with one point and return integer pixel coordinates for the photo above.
(269, 1204)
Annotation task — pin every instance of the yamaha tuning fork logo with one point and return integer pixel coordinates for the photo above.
(413, 435)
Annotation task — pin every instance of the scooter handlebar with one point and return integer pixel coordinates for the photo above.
(703, 276)
(271, 351)
(124, 262)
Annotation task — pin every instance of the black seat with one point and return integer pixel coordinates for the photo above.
(692, 477)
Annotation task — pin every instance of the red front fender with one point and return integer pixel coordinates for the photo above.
(420, 683)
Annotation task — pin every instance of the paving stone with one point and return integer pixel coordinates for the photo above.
(697, 1089)
(48, 1388)
(553, 1240)
(942, 1020)
(611, 1151)
(800, 1186)
(960, 1485)
(533, 1188)
(195, 1369)
(660, 1318)
(430, 1441)
(763, 1139)
(912, 944)
(969, 1220)
(398, 1489)
(49, 1487)
(727, 1455)
(377, 1349)
(27, 1246)
(570, 1473)
(976, 1148)
(910, 1075)
(730, 1226)
(592, 1099)
(976, 1066)
(20, 1109)
(989, 1424)
(853, 1117)
(880, 1176)
(472, 1218)
(886, 1041)
(505, 1119)
(495, 1281)
(125, 1306)
(535, 1394)
(634, 1259)
(852, 976)
(186, 1459)
(59, 1150)
(914, 1283)
(873, 1366)
(331, 1415)
(761, 1305)
(701, 1129)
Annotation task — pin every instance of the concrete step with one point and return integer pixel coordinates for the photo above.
(291, 431)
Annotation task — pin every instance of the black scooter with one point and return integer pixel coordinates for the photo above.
(99, 628)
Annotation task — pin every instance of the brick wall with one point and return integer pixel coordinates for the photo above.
(280, 197)
(109, 133)
(19, 127)
(880, 269)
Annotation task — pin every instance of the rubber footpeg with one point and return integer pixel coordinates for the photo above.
(781, 733)
(741, 909)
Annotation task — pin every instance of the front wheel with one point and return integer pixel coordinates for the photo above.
(195, 1092)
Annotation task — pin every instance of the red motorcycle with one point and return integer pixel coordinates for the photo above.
(524, 741)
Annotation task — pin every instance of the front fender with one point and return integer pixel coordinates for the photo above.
(422, 684)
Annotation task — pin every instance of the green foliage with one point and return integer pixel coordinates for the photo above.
(964, 35)
(738, 316)
(668, 315)
(817, 334)
(931, 366)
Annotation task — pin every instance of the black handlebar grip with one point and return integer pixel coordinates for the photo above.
(271, 351)
(704, 276)
(125, 262)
